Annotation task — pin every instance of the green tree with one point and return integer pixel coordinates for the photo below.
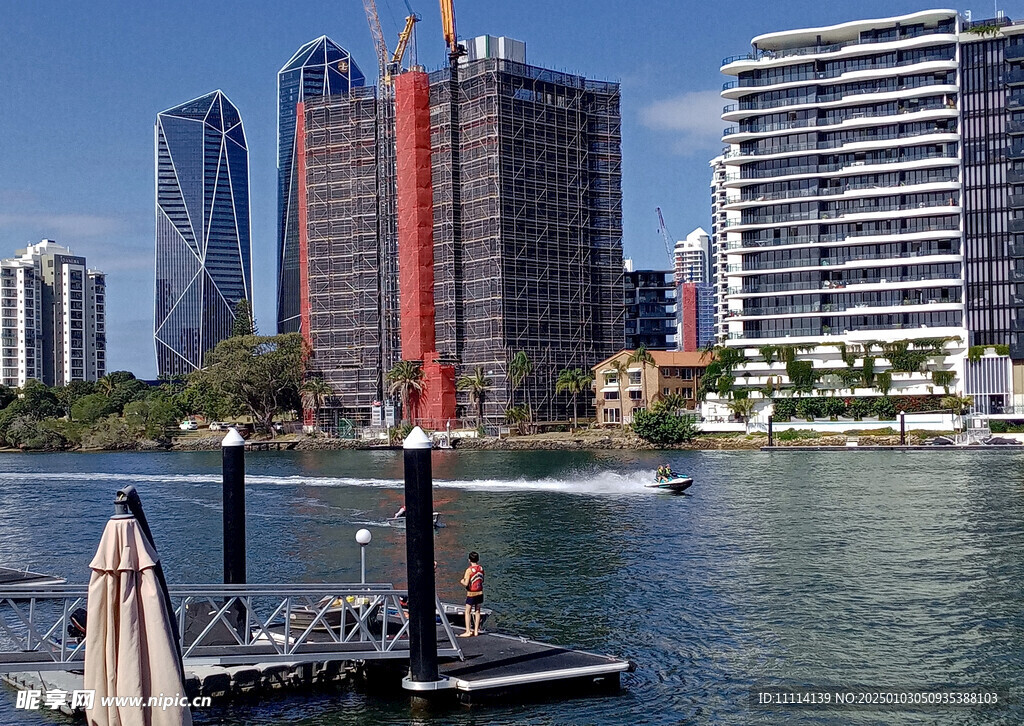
(67, 395)
(672, 402)
(663, 428)
(314, 392)
(519, 369)
(477, 385)
(642, 356)
(244, 322)
(155, 418)
(259, 375)
(742, 408)
(517, 416)
(406, 379)
(91, 408)
(574, 382)
(959, 405)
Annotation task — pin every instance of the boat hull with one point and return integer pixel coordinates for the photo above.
(679, 484)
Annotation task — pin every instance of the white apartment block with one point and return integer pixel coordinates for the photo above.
(842, 186)
(53, 322)
(691, 257)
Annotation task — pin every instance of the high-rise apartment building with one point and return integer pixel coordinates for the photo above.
(691, 257)
(53, 322)
(718, 262)
(527, 234)
(650, 308)
(843, 183)
(320, 68)
(203, 260)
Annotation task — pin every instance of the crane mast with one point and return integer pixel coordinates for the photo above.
(373, 20)
(665, 237)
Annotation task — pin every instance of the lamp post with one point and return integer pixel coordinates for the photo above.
(363, 537)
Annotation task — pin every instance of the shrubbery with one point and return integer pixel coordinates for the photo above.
(886, 408)
(664, 428)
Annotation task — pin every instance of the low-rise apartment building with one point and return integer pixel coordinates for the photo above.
(623, 386)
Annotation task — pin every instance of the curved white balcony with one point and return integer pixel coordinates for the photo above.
(865, 261)
(847, 147)
(862, 120)
(910, 282)
(843, 192)
(818, 310)
(850, 49)
(831, 171)
(901, 211)
(734, 113)
(919, 67)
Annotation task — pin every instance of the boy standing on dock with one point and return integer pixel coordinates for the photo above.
(473, 581)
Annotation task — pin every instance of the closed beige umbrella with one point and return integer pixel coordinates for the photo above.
(129, 642)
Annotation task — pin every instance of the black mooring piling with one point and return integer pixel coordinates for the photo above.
(419, 552)
(233, 468)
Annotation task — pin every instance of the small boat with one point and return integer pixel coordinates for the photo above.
(303, 617)
(675, 484)
(455, 614)
(400, 521)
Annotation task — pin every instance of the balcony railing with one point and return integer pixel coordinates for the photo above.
(834, 261)
(832, 145)
(830, 48)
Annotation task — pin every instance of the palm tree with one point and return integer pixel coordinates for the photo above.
(574, 382)
(519, 369)
(477, 385)
(742, 407)
(959, 405)
(672, 402)
(642, 356)
(314, 392)
(517, 416)
(406, 379)
(621, 369)
(106, 385)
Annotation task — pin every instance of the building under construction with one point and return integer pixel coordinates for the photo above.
(527, 234)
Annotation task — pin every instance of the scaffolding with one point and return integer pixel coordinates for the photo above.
(526, 171)
(528, 225)
(343, 252)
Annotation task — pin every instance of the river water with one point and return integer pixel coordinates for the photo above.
(831, 570)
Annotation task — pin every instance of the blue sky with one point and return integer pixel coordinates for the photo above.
(81, 84)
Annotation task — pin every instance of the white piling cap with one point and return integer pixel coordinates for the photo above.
(233, 438)
(417, 439)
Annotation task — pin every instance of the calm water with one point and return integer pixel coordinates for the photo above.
(829, 569)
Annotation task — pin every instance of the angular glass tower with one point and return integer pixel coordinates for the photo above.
(321, 67)
(203, 261)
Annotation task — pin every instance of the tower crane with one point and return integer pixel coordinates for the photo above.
(403, 41)
(455, 51)
(663, 230)
(373, 20)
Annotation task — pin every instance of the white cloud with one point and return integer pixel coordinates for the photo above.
(696, 117)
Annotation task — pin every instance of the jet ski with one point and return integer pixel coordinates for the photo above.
(673, 483)
(399, 521)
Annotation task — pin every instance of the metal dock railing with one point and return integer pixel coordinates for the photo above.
(226, 625)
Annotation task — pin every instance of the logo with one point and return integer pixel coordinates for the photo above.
(343, 66)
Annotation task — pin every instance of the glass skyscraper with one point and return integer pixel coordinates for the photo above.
(321, 67)
(203, 263)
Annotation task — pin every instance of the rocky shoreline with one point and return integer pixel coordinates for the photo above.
(581, 441)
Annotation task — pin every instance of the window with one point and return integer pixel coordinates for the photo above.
(612, 415)
(666, 391)
(635, 395)
(611, 396)
(611, 379)
(687, 374)
(634, 379)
